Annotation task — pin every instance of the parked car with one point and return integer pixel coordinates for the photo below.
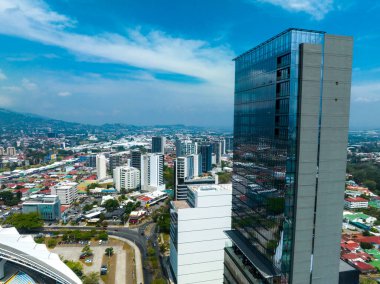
(103, 270)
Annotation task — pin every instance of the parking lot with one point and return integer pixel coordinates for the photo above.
(72, 252)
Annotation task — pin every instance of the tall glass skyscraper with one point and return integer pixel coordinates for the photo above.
(292, 96)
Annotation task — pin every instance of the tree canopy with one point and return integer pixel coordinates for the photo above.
(9, 198)
(91, 278)
(111, 205)
(75, 266)
(25, 222)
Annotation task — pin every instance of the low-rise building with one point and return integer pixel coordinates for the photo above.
(365, 267)
(355, 203)
(360, 218)
(361, 189)
(151, 198)
(136, 216)
(48, 206)
(348, 246)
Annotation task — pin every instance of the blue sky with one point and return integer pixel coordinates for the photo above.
(163, 61)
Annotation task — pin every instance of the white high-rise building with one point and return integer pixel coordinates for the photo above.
(2, 151)
(185, 148)
(66, 191)
(152, 172)
(187, 167)
(197, 238)
(126, 178)
(101, 166)
(11, 151)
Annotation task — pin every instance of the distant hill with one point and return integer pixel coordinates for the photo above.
(15, 120)
(11, 121)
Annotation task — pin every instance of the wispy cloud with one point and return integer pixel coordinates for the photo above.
(366, 92)
(12, 89)
(64, 94)
(317, 8)
(28, 85)
(2, 75)
(142, 99)
(154, 50)
(5, 101)
(24, 85)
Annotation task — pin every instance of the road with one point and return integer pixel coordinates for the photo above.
(132, 235)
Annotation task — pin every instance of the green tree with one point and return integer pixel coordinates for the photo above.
(111, 205)
(51, 243)
(366, 233)
(87, 207)
(87, 249)
(168, 177)
(151, 251)
(224, 177)
(25, 222)
(91, 278)
(92, 186)
(163, 222)
(363, 280)
(103, 235)
(365, 245)
(109, 251)
(370, 184)
(374, 230)
(75, 266)
(9, 198)
(39, 240)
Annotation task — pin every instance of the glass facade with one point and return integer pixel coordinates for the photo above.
(206, 154)
(265, 145)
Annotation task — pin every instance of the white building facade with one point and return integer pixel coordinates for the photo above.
(152, 172)
(66, 191)
(101, 167)
(127, 178)
(11, 151)
(354, 203)
(197, 238)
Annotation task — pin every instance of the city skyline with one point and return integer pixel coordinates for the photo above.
(129, 64)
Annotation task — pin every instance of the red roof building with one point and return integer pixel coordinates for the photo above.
(361, 256)
(354, 203)
(349, 246)
(364, 267)
(369, 239)
(93, 177)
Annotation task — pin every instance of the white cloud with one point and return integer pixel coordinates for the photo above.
(366, 92)
(141, 99)
(156, 50)
(5, 101)
(64, 94)
(28, 85)
(2, 75)
(317, 8)
(13, 89)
